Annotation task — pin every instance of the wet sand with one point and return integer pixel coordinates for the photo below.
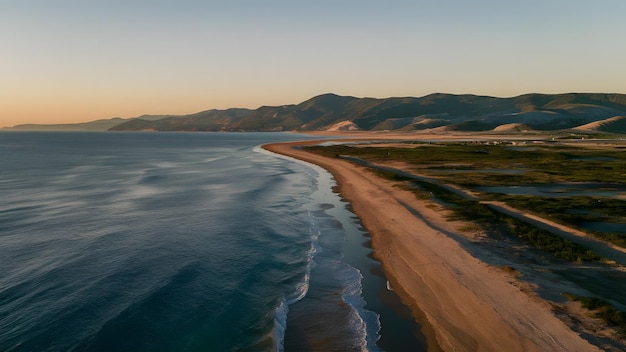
(467, 304)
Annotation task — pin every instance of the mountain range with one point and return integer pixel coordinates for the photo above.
(434, 112)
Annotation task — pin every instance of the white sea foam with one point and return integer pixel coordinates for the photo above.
(280, 325)
(365, 323)
(303, 286)
(301, 289)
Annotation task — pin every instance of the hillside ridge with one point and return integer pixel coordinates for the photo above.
(441, 111)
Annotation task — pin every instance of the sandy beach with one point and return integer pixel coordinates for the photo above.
(469, 305)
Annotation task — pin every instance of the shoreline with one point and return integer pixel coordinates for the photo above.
(462, 303)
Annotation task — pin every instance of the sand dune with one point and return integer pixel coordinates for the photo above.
(615, 124)
(512, 127)
(344, 126)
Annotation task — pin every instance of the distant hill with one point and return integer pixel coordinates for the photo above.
(97, 125)
(210, 120)
(434, 112)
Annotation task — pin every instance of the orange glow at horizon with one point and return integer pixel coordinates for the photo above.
(68, 64)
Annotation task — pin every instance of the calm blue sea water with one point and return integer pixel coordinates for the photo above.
(175, 242)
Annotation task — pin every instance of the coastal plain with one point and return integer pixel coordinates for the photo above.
(455, 278)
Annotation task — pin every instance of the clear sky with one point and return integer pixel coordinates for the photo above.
(80, 60)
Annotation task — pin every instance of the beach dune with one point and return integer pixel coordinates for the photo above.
(467, 304)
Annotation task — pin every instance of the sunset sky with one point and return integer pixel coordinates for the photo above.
(80, 60)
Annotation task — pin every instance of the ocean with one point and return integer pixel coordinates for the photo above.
(183, 242)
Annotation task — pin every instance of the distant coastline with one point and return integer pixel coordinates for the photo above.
(461, 301)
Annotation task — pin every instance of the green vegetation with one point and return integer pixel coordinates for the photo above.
(573, 211)
(603, 310)
(536, 163)
(390, 175)
(551, 243)
(488, 218)
(488, 164)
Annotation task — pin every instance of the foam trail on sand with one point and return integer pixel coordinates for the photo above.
(280, 325)
(301, 289)
(328, 278)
